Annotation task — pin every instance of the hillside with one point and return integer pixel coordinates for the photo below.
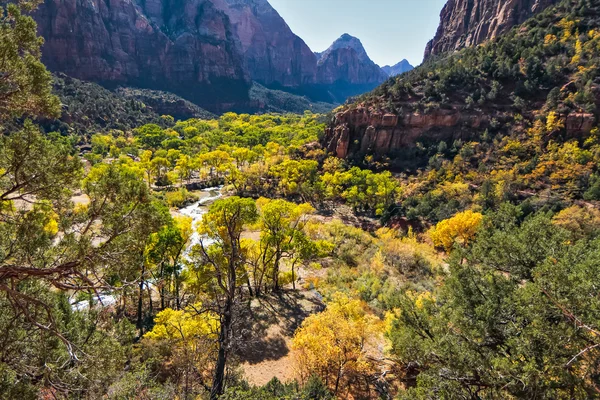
(524, 103)
(469, 23)
(209, 52)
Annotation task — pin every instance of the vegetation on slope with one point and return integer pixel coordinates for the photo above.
(102, 294)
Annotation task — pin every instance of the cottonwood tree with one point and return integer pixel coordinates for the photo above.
(282, 238)
(220, 267)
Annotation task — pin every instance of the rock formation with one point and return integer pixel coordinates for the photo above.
(272, 54)
(400, 68)
(206, 51)
(184, 47)
(345, 69)
(367, 130)
(465, 23)
(347, 61)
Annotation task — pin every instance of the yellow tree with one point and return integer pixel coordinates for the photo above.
(332, 344)
(461, 229)
(219, 265)
(282, 237)
(188, 340)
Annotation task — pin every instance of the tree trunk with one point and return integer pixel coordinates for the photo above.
(140, 305)
(219, 377)
(177, 301)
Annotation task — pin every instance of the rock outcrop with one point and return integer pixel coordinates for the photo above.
(398, 69)
(465, 23)
(366, 130)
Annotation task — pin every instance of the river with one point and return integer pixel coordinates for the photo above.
(195, 211)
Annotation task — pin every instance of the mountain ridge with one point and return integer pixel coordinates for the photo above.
(397, 69)
(206, 51)
(465, 23)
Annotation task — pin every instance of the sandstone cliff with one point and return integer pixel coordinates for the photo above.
(272, 54)
(184, 47)
(465, 23)
(207, 51)
(367, 129)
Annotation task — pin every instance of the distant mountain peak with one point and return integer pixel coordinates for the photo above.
(400, 68)
(347, 41)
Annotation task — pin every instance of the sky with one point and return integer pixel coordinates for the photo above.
(390, 30)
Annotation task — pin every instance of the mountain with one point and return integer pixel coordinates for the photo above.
(479, 95)
(347, 61)
(346, 69)
(272, 54)
(207, 51)
(400, 68)
(188, 48)
(465, 23)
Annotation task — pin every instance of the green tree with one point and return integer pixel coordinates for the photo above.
(26, 86)
(220, 266)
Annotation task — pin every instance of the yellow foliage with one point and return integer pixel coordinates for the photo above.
(332, 344)
(461, 229)
(183, 326)
(553, 122)
(550, 39)
(579, 220)
(51, 227)
(567, 27)
(578, 52)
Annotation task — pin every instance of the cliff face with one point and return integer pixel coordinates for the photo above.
(465, 23)
(187, 47)
(272, 53)
(205, 50)
(368, 130)
(347, 61)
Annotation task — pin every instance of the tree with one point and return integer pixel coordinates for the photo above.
(331, 344)
(26, 85)
(282, 236)
(219, 267)
(189, 341)
(516, 317)
(165, 252)
(459, 229)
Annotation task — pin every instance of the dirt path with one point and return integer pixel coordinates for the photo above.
(274, 321)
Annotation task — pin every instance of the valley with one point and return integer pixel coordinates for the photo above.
(196, 205)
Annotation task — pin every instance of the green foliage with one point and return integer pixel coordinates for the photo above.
(26, 84)
(509, 320)
(314, 389)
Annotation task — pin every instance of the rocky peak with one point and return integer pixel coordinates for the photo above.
(347, 61)
(465, 23)
(400, 68)
(347, 41)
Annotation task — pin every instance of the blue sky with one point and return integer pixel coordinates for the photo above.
(390, 30)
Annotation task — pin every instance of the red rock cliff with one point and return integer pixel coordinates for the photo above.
(465, 23)
(204, 50)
